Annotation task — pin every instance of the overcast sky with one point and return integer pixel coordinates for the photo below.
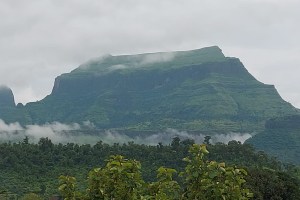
(41, 39)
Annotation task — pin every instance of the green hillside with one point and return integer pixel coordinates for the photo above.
(281, 138)
(198, 90)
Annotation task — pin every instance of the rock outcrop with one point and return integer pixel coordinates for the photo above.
(6, 97)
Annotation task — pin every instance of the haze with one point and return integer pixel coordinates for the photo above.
(40, 40)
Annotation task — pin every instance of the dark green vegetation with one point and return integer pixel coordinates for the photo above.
(121, 179)
(281, 138)
(199, 90)
(34, 168)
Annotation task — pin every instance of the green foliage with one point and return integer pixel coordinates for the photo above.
(165, 188)
(34, 168)
(31, 196)
(271, 184)
(120, 179)
(67, 187)
(212, 180)
(195, 90)
(281, 138)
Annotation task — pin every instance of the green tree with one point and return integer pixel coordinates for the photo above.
(165, 188)
(207, 140)
(121, 179)
(212, 180)
(68, 187)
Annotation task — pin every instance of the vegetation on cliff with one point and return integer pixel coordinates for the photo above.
(198, 90)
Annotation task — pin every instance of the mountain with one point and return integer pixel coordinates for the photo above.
(6, 97)
(198, 90)
(8, 109)
(281, 138)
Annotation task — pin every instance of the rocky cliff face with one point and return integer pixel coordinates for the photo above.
(6, 97)
(194, 90)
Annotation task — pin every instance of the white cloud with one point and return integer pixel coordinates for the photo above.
(157, 57)
(40, 40)
(116, 67)
(10, 128)
(56, 131)
(75, 133)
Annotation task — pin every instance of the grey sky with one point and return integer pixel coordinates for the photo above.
(40, 39)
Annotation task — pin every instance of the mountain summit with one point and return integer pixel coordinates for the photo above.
(193, 90)
(162, 60)
(6, 97)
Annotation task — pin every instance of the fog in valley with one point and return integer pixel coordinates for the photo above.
(86, 133)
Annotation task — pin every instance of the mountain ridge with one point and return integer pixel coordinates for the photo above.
(188, 90)
(144, 60)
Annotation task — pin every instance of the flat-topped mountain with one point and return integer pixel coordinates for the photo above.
(198, 90)
(160, 60)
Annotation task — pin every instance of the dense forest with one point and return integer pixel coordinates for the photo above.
(34, 168)
(121, 179)
(280, 138)
(198, 91)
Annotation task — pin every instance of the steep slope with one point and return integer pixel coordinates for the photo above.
(8, 111)
(6, 97)
(189, 90)
(281, 138)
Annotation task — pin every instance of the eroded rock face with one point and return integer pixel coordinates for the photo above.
(6, 97)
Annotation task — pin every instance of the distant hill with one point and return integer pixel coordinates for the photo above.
(281, 138)
(6, 97)
(198, 90)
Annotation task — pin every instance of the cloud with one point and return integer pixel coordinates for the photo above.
(9, 131)
(169, 134)
(116, 67)
(86, 134)
(40, 40)
(56, 131)
(93, 61)
(140, 61)
(146, 60)
(225, 138)
(157, 57)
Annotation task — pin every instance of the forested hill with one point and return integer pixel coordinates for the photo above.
(34, 168)
(187, 90)
(281, 138)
